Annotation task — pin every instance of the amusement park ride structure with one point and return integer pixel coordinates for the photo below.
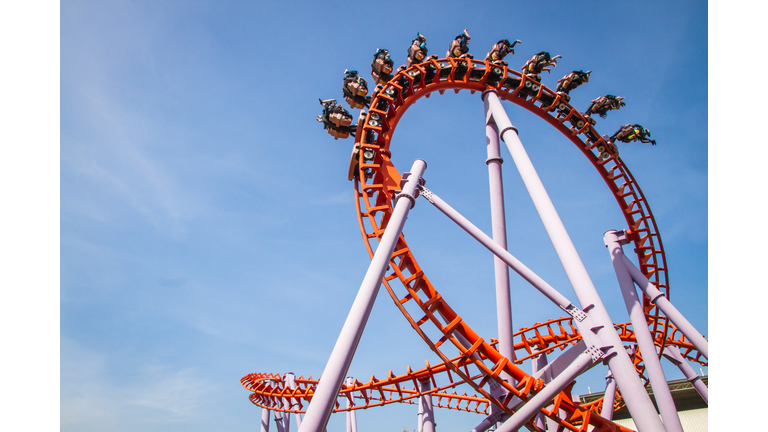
(508, 397)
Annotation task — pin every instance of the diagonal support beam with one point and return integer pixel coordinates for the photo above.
(672, 354)
(324, 399)
(653, 293)
(540, 284)
(544, 371)
(613, 241)
(545, 396)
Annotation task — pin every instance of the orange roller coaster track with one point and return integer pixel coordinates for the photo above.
(269, 390)
(376, 181)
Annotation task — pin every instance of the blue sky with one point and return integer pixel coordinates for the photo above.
(207, 229)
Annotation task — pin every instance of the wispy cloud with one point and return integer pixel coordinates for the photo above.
(117, 166)
(345, 197)
(111, 143)
(97, 396)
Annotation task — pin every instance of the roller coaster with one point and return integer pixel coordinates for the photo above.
(559, 349)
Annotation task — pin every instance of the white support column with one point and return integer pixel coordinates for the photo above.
(427, 415)
(609, 398)
(280, 421)
(290, 382)
(499, 227)
(613, 240)
(638, 402)
(419, 418)
(351, 417)
(538, 363)
(265, 420)
(286, 417)
(266, 413)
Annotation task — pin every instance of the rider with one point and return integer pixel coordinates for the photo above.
(500, 50)
(381, 66)
(336, 120)
(603, 104)
(458, 47)
(355, 89)
(633, 132)
(417, 52)
(571, 81)
(538, 64)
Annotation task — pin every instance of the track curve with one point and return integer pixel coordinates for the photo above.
(376, 181)
(270, 391)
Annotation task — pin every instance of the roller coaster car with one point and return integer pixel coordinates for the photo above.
(579, 123)
(336, 120)
(354, 162)
(355, 90)
(382, 104)
(564, 96)
(368, 154)
(382, 66)
(606, 149)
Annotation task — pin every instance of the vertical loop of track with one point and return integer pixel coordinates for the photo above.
(378, 179)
